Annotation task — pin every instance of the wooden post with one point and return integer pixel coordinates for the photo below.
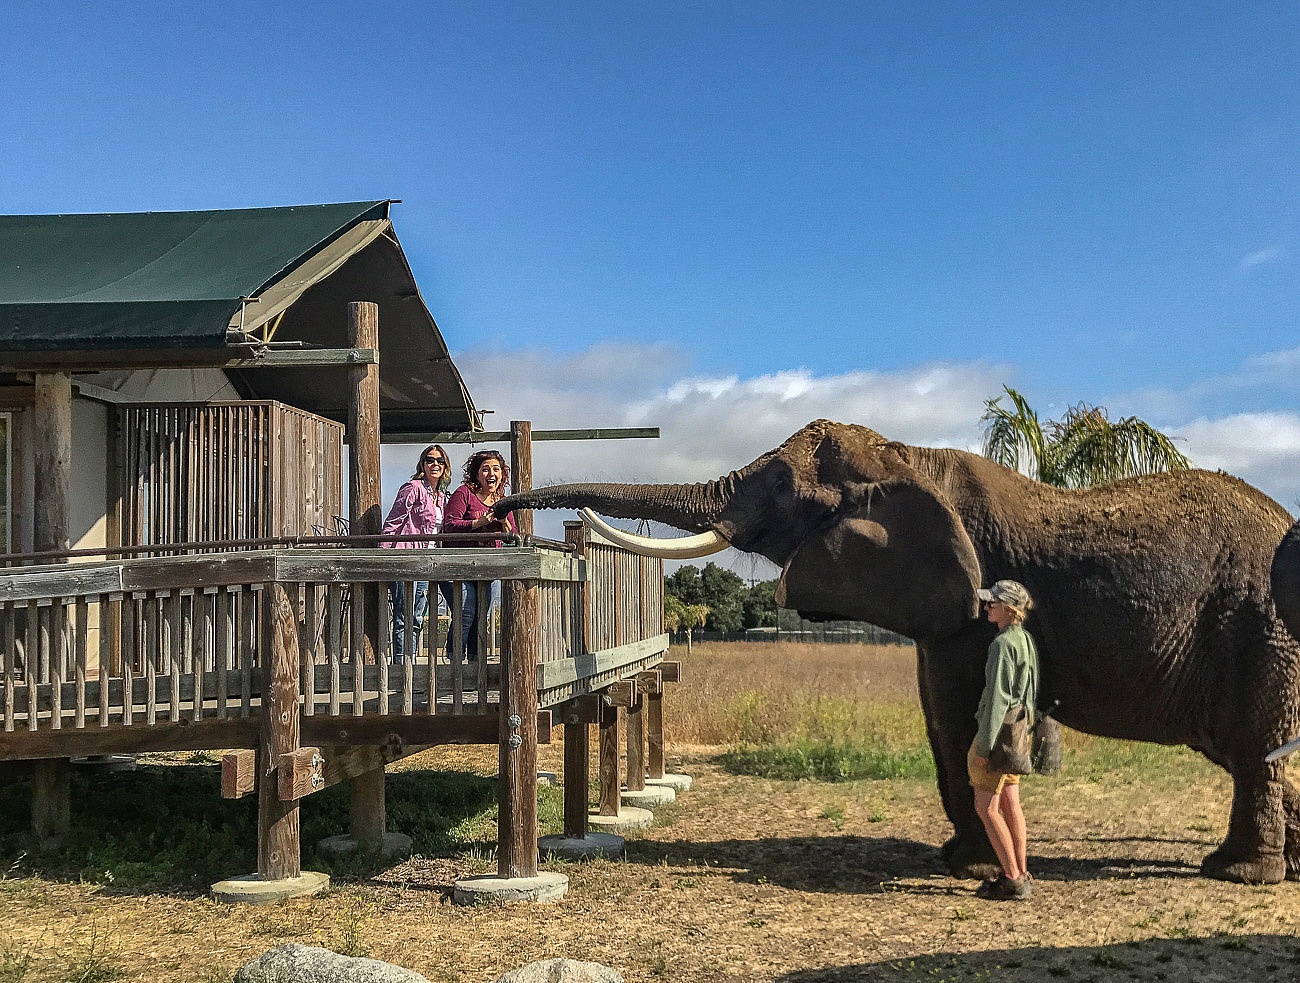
(52, 458)
(279, 848)
(655, 732)
(577, 715)
(577, 724)
(517, 785)
(610, 797)
(368, 814)
(636, 746)
(363, 453)
(521, 469)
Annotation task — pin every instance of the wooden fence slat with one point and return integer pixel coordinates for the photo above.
(176, 651)
(307, 647)
(356, 615)
(33, 662)
(484, 617)
(81, 644)
(128, 655)
(247, 639)
(221, 650)
(334, 641)
(10, 656)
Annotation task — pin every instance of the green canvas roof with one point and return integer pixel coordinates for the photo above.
(151, 279)
(143, 289)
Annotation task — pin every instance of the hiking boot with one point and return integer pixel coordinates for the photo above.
(1004, 888)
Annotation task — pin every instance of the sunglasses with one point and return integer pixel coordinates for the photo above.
(433, 460)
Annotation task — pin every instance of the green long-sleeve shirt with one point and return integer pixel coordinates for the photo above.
(1010, 677)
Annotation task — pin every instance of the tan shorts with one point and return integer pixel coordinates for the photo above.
(985, 778)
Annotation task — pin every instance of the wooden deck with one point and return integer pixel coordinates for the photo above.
(276, 652)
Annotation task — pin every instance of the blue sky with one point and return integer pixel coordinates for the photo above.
(730, 218)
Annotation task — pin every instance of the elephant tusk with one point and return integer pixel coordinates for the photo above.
(1288, 748)
(683, 548)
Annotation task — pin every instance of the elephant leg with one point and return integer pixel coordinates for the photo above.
(1291, 814)
(949, 704)
(1254, 851)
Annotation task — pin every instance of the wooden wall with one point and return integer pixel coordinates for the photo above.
(221, 471)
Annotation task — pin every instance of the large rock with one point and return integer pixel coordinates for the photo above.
(561, 971)
(293, 963)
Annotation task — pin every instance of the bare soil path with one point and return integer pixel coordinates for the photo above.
(742, 879)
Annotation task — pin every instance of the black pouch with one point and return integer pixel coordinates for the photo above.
(1047, 742)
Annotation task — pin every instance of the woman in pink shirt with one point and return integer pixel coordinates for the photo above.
(470, 510)
(417, 511)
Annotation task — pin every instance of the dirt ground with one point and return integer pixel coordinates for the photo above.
(741, 879)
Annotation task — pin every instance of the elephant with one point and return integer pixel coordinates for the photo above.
(1153, 612)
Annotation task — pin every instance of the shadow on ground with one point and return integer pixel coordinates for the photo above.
(1219, 957)
(859, 865)
(167, 827)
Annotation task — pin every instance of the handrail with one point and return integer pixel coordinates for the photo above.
(231, 545)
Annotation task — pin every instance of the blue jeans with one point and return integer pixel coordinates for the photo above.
(419, 607)
(470, 616)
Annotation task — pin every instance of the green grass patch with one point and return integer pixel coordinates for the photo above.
(1105, 759)
(828, 761)
(167, 827)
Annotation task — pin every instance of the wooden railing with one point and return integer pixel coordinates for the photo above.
(274, 649)
(183, 640)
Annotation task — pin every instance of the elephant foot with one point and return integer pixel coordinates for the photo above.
(1224, 865)
(970, 858)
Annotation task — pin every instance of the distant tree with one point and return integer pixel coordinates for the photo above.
(685, 584)
(1085, 447)
(724, 593)
(696, 617)
(718, 589)
(759, 605)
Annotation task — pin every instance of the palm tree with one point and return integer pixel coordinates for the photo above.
(1085, 447)
(674, 612)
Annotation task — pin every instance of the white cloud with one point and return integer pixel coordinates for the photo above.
(712, 424)
(1259, 258)
(1261, 448)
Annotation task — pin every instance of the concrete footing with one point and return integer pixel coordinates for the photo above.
(627, 819)
(106, 762)
(344, 845)
(648, 797)
(251, 890)
(589, 847)
(678, 783)
(546, 886)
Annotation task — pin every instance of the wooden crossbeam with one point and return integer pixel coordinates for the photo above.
(238, 773)
(221, 358)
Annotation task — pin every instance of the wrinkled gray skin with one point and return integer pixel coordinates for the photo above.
(1286, 580)
(1154, 619)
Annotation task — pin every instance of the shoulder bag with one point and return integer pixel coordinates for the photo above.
(1010, 753)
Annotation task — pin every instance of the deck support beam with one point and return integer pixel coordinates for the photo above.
(52, 457)
(279, 847)
(368, 815)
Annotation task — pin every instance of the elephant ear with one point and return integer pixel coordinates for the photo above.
(897, 556)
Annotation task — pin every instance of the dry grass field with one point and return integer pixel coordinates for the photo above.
(744, 878)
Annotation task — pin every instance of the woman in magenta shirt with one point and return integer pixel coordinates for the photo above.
(470, 510)
(417, 511)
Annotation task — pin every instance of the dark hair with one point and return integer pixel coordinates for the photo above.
(445, 481)
(476, 461)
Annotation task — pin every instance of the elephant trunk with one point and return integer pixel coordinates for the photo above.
(695, 507)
